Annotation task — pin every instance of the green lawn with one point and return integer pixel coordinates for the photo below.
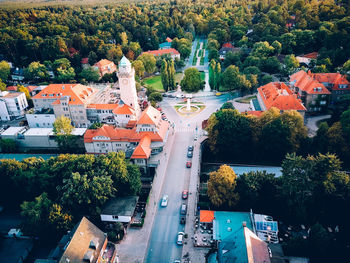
(156, 82)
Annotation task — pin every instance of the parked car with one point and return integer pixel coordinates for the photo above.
(188, 164)
(165, 199)
(190, 148)
(189, 154)
(183, 220)
(180, 237)
(183, 209)
(184, 194)
(218, 94)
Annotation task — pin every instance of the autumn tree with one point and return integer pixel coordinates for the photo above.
(149, 62)
(4, 70)
(63, 128)
(221, 187)
(139, 68)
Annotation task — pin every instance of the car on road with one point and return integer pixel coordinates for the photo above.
(188, 164)
(164, 201)
(218, 94)
(183, 209)
(189, 154)
(184, 194)
(183, 220)
(190, 148)
(177, 261)
(180, 237)
(180, 96)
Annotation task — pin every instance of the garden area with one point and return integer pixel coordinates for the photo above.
(156, 83)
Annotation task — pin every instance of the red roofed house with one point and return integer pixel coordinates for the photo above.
(336, 83)
(69, 100)
(105, 66)
(168, 39)
(168, 51)
(313, 94)
(278, 95)
(12, 88)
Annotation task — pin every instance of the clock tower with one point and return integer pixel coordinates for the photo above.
(126, 78)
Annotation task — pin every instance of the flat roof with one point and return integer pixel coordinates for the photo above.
(39, 131)
(121, 206)
(13, 130)
(79, 131)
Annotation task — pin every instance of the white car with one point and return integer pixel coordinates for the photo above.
(180, 237)
(164, 201)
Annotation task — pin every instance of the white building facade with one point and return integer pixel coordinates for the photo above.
(12, 104)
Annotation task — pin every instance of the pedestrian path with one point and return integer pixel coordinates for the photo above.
(184, 129)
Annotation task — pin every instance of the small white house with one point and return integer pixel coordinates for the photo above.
(119, 209)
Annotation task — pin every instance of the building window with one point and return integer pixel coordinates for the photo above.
(115, 217)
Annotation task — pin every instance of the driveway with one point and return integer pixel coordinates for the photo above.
(311, 123)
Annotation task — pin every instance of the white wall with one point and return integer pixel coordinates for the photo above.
(4, 115)
(40, 120)
(109, 218)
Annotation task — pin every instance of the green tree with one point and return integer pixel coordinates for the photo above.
(36, 71)
(291, 63)
(95, 126)
(277, 47)
(4, 70)
(230, 79)
(90, 74)
(149, 62)
(124, 39)
(61, 221)
(217, 76)
(92, 58)
(164, 74)
(155, 96)
(63, 70)
(262, 49)
(227, 105)
(221, 187)
(84, 194)
(8, 146)
(2, 86)
(36, 215)
(192, 80)
(63, 128)
(171, 75)
(320, 141)
(134, 180)
(139, 68)
(212, 67)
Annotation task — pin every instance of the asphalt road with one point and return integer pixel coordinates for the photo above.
(162, 245)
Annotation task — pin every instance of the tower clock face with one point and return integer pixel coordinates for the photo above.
(125, 81)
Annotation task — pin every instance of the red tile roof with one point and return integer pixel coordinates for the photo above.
(31, 88)
(143, 149)
(102, 63)
(228, 45)
(335, 79)
(279, 95)
(160, 52)
(77, 93)
(168, 39)
(312, 55)
(102, 106)
(150, 116)
(305, 82)
(254, 113)
(124, 109)
(206, 216)
(12, 88)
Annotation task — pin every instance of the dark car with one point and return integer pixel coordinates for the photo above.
(189, 154)
(183, 220)
(190, 148)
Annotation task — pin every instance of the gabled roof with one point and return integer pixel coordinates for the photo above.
(312, 55)
(77, 93)
(275, 94)
(168, 39)
(333, 78)
(12, 88)
(84, 233)
(150, 116)
(123, 109)
(102, 63)
(160, 52)
(143, 149)
(206, 216)
(228, 45)
(257, 249)
(305, 82)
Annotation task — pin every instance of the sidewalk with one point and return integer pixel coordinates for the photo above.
(194, 254)
(133, 247)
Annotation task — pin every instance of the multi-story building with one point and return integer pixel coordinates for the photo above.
(313, 94)
(167, 51)
(105, 66)
(69, 100)
(12, 104)
(278, 95)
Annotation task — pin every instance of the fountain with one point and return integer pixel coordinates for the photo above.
(188, 108)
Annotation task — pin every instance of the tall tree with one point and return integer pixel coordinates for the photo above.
(164, 74)
(221, 187)
(212, 66)
(4, 70)
(217, 76)
(171, 75)
(192, 80)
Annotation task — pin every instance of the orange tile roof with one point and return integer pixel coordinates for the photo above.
(305, 82)
(102, 106)
(31, 88)
(275, 94)
(124, 109)
(12, 88)
(160, 52)
(77, 93)
(102, 63)
(131, 124)
(312, 55)
(150, 116)
(206, 216)
(143, 149)
(333, 78)
(168, 39)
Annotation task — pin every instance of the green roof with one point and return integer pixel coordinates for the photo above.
(228, 228)
(165, 45)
